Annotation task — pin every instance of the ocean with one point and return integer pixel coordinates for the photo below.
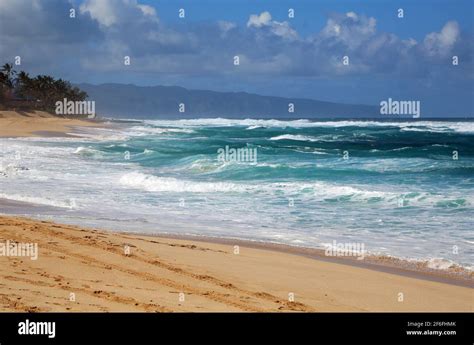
(401, 188)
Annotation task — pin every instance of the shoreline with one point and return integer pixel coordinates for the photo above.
(414, 268)
(93, 264)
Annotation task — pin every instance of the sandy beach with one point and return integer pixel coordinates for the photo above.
(79, 269)
(38, 123)
(123, 272)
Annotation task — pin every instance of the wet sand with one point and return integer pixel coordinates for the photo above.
(128, 272)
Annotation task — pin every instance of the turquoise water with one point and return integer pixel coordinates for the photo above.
(396, 187)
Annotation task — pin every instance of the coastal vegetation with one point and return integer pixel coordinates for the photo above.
(20, 91)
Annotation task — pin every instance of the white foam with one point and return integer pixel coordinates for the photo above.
(83, 149)
(146, 130)
(113, 136)
(294, 137)
(430, 126)
(80, 149)
(222, 122)
(168, 184)
(440, 264)
(37, 200)
(321, 191)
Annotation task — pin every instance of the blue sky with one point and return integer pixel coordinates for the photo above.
(407, 58)
(421, 15)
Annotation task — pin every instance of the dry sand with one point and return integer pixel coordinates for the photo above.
(38, 123)
(93, 265)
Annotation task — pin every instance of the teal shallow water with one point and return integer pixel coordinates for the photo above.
(401, 188)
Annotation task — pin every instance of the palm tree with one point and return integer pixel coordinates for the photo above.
(7, 75)
(44, 90)
(24, 85)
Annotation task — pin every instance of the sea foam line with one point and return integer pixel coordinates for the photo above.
(429, 126)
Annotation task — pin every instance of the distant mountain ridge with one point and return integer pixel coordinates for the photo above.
(131, 101)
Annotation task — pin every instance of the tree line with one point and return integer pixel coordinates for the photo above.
(40, 92)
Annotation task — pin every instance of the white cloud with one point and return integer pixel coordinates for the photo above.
(283, 29)
(103, 11)
(112, 12)
(440, 43)
(350, 29)
(259, 20)
(264, 20)
(226, 26)
(147, 10)
(352, 15)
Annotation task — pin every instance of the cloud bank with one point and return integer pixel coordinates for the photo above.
(104, 31)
